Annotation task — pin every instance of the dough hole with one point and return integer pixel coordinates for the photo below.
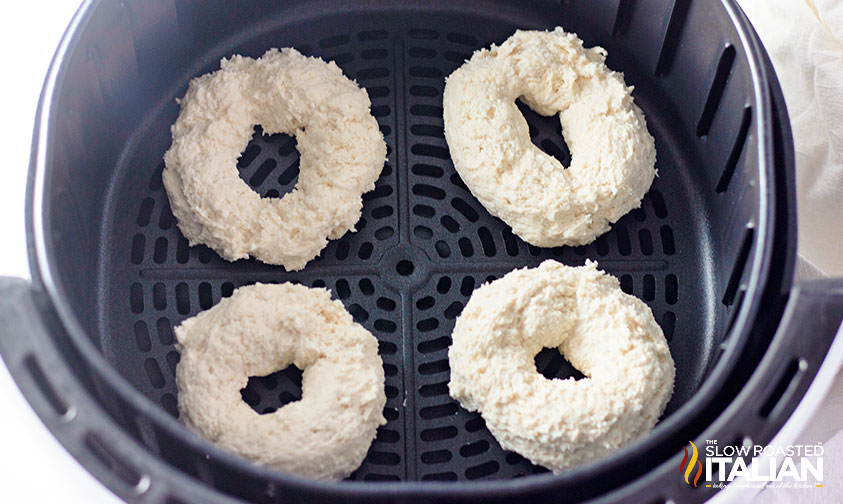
(551, 364)
(265, 394)
(546, 134)
(270, 164)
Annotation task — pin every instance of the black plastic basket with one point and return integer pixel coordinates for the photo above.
(711, 250)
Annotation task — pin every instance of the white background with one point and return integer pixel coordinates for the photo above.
(33, 466)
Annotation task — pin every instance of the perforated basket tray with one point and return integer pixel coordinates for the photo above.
(423, 245)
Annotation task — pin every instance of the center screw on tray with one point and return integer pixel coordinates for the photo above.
(404, 266)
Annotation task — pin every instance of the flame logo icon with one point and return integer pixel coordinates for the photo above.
(686, 467)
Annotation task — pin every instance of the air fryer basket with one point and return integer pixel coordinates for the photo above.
(711, 249)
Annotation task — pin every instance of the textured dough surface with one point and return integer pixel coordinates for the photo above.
(259, 330)
(612, 154)
(342, 154)
(609, 336)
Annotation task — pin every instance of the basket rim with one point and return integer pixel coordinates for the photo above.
(45, 275)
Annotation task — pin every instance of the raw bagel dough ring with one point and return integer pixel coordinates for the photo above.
(259, 330)
(342, 154)
(613, 155)
(610, 336)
